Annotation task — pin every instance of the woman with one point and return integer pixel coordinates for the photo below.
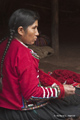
(21, 95)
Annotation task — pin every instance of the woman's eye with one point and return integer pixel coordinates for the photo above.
(34, 27)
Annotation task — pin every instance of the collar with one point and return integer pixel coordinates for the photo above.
(22, 43)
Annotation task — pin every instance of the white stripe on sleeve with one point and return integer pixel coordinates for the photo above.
(56, 92)
(43, 92)
(47, 92)
(51, 92)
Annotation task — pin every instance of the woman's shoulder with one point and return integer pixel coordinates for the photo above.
(16, 43)
(18, 48)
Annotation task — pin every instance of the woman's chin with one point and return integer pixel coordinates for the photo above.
(31, 43)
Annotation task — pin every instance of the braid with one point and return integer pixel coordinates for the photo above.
(8, 44)
(3, 39)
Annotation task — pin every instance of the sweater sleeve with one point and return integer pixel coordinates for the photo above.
(29, 81)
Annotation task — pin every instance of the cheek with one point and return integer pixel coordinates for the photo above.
(31, 34)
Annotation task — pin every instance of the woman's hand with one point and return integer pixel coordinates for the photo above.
(69, 90)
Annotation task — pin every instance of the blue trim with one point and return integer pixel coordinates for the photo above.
(42, 97)
(22, 102)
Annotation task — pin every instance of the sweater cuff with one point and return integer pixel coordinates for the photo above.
(62, 92)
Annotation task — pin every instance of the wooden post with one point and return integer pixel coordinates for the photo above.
(54, 29)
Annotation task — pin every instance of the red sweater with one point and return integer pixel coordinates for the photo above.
(21, 77)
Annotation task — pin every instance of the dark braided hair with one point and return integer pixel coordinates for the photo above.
(3, 39)
(20, 17)
(2, 60)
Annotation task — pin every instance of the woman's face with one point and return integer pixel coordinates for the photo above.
(30, 34)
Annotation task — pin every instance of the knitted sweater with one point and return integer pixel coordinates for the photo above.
(21, 77)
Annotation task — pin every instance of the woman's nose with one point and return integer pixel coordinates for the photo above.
(37, 33)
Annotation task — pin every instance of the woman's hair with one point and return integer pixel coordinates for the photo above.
(20, 17)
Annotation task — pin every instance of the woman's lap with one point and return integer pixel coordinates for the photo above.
(57, 109)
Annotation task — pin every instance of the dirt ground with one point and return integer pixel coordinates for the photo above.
(69, 58)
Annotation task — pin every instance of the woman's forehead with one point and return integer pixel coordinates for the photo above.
(35, 23)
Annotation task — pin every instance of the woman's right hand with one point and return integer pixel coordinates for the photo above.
(69, 90)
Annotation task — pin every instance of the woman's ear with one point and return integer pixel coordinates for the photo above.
(20, 30)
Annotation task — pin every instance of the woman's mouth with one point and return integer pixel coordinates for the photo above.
(35, 39)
